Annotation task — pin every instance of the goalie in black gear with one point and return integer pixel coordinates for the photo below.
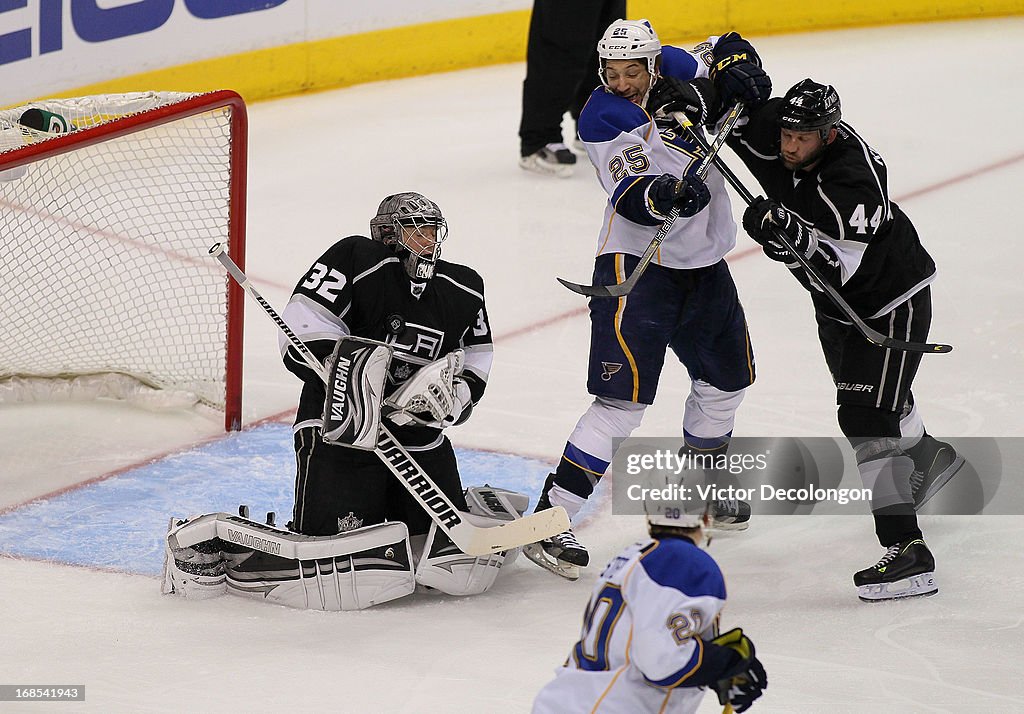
(392, 323)
(827, 190)
(392, 288)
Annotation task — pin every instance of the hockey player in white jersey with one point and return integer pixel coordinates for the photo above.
(649, 641)
(686, 300)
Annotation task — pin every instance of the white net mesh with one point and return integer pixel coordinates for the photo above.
(105, 248)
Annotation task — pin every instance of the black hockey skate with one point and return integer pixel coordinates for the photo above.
(730, 515)
(727, 514)
(562, 554)
(551, 160)
(935, 463)
(906, 570)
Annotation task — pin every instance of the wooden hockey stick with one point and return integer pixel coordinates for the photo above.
(871, 335)
(471, 539)
(626, 285)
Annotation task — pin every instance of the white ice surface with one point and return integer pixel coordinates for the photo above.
(939, 101)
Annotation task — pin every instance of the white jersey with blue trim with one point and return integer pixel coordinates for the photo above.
(629, 150)
(643, 633)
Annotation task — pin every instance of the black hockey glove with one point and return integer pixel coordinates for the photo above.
(737, 74)
(689, 193)
(696, 98)
(748, 679)
(758, 221)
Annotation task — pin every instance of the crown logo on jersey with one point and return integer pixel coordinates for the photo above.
(349, 523)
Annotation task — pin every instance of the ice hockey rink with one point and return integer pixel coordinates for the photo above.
(87, 488)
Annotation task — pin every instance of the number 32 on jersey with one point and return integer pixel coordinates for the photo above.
(326, 282)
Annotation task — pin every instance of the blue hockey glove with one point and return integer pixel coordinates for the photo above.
(748, 680)
(689, 193)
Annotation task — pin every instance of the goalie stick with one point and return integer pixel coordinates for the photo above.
(871, 335)
(471, 539)
(626, 285)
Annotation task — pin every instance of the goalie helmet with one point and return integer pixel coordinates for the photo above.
(404, 222)
(809, 106)
(629, 40)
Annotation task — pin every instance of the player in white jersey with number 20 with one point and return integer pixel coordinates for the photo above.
(649, 641)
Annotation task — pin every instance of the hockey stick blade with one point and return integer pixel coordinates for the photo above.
(521, 531)
(598, 290)
(893, 344)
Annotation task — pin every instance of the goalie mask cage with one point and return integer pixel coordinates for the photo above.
(105, 231)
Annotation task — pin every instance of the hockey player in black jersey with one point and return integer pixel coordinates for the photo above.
(827, 189)
(393, 288)
(405, 345)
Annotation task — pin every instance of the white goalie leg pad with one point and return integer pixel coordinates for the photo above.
(442, 566)
(193, 562)
(500, 504)
(357, 370)
(350, 571)
(496, 502)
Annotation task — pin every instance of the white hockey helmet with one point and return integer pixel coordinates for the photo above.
(626, 40)
(667, 507)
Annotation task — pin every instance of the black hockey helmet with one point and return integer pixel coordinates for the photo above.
(809, 106)
(416, 211)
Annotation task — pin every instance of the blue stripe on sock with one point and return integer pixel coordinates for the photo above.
(584, 460)
(706, 444)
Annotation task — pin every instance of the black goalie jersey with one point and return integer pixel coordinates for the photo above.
(867, 247)
(359, 287)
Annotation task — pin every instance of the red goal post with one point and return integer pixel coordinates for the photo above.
(108, 206)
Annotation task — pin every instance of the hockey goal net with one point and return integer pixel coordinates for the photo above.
(108, 206)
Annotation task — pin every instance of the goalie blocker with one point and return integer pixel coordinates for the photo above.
(209, 555)
(356, 372)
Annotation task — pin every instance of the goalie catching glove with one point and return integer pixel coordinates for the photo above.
(436, 396)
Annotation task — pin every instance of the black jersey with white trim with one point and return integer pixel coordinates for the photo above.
(867, 247)
(360, 287)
